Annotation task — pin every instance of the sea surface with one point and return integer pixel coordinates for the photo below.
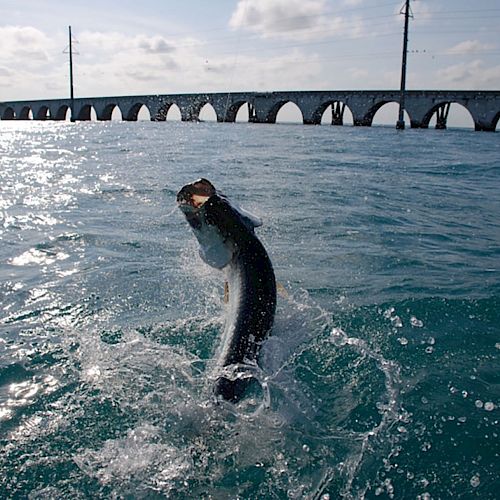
(381, 377)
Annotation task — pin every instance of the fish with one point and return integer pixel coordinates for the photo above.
(227, 240)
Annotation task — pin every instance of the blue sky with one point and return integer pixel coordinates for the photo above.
(140, 47)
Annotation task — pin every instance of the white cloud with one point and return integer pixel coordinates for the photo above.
(470, 75)
(291, 19)
(115, 42)
(24, 43)
(123, 64)
(5, 72)
(469, 47)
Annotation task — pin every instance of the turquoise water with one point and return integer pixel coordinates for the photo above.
(380, 380)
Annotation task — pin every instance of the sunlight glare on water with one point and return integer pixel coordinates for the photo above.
(380, 378)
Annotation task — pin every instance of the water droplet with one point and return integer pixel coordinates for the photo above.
(416, 322)
(403, 341)
(388, 312)
(478, 403)
(305, 448)
(465, 394)
(475, 481)
(396, 321)
(426, 446)
(429, 350)
(489, 406)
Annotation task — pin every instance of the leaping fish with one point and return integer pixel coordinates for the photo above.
(227, 241)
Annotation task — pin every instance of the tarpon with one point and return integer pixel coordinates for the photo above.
(227, 241)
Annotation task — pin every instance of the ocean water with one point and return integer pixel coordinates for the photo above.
(381, 376)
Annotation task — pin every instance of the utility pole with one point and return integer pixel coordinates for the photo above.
(72, 95)
(400, 125)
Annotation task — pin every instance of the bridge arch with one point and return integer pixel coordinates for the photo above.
(173, 113)
(244, 113)
(387, 116)
(63, 113)
(43, 113)
(332, 112)
(237, 109)
(288, 111)
(144, 113)
(9, 114)
(106, 113)
(86, 113)
(207, 113)
(439, 115)
(132, 113)
(168, 111)
(25, 114)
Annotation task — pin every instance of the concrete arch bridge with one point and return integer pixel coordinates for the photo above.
(263, 107)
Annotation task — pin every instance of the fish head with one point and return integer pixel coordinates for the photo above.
(192, 199)
(193, 196)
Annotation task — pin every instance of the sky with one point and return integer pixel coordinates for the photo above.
(150, 46)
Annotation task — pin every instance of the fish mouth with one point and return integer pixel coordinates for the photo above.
(194, 195)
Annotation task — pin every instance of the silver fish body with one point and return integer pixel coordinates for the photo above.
(228, 241)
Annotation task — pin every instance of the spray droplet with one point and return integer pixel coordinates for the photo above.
(416, 322)
(475, 481)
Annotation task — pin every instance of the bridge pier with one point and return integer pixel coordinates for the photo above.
(338, 109)
(442, 116)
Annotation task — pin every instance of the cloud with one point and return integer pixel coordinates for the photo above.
(290, 19)
(5, 72)
(469, 47)
(155, 45)
(114, 42)
(32, 64)
(26, 43)
(470, 75)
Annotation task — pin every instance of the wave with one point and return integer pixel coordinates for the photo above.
(130, 412)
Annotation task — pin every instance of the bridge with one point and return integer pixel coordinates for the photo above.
(263, 107)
